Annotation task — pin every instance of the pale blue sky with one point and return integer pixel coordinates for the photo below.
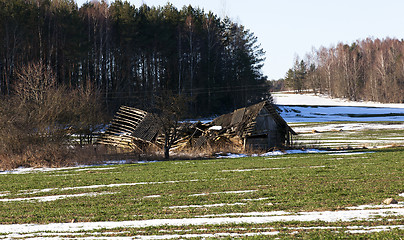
(287, 28)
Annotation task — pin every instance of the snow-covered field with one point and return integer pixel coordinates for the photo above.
(312, 108)
(301, 110)
(308, 99)
(35, 231)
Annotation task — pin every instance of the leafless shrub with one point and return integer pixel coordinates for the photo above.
(37, 122)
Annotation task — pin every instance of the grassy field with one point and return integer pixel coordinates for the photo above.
(286, 196)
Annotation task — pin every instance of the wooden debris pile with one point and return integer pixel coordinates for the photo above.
(200, 135)
(131, 129)
(257, 126)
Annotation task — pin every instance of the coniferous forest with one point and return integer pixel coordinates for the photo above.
(131, 54)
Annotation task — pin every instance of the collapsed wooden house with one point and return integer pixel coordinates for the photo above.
(131, 129)
(256, 127)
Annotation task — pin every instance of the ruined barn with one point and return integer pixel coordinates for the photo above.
(258, 127)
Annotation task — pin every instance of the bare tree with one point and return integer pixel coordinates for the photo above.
(169, 110)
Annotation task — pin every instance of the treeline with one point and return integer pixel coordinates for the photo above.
(370, 70)
(131, 54)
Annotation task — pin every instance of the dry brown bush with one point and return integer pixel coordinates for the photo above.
(38, 121)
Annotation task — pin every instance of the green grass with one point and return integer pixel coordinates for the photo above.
(292, 183)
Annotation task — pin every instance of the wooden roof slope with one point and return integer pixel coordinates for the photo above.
(242, 121)
(129, 124)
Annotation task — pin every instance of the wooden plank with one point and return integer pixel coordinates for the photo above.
(112, 141)
(122, 122)
(122, 128)
(115, 133)
(118, 145)
(134, 110)
(134, 113)
(122, 125)
(129, 115)
(135, 122)
(117, 140)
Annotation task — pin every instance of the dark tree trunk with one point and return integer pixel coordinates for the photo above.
(166, 152)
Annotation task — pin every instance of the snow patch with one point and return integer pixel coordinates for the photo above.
(249, 214)
(273, 153)
(380, 206)
(95, 169)
(56, 197)
(207, 205)
(216, 128)
(350, 153)
(327, 216)
(35, 191)
(152, 196)
(308, 99)
(254, 199)
(348, 127)
(266, 231)
(227, 192)
(232, 155)
(252, 169)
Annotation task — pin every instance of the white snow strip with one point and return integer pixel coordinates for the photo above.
(34, 191)
(271, 154)
(216, 128)
(365, 231)
(255, 199)
(350, 153)
(277, 153)
(252, 169)
(55, 197)
(184, 236)
(232, 155)
(324, 100)
(95, 169)
(327, 216)
(314, 167)
(96, 235)
(152, 196)
(227, 192)
(207, 235)
(265, 169)
(381, 206)
(393, 138)
(207, 205)
(347, 127)
(22, 170)
(249, 214)
(3, 194)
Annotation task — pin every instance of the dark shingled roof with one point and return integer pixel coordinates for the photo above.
(242, 120)
(147, 129)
